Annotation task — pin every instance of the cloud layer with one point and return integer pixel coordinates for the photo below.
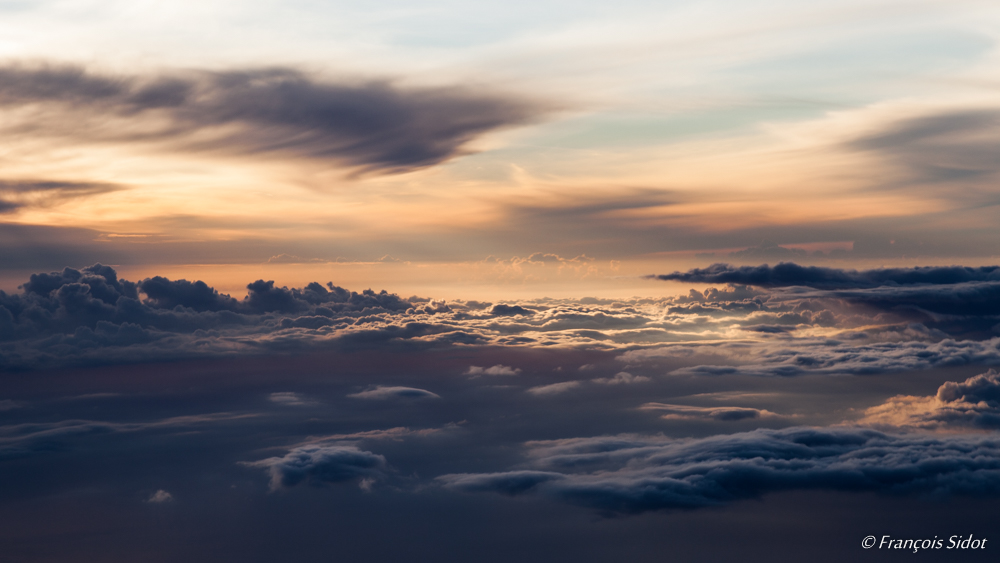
(90, 315)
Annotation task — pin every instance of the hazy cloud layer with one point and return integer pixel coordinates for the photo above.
(41, 193)
(945, 146)
(372, 126)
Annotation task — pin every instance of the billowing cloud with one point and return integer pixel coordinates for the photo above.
(631, 474)
(973, 403)
(320, 465)
(90, 314)
(371, 126)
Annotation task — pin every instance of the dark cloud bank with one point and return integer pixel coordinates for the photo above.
(370, 126)
(787, 274)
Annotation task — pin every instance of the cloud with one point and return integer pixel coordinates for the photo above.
(554, 389)
(503, 310)
(19, 440)
(15, 194)
(397, 433)
(631, 474)
(292, 259)
(499, 369)
(767, 250)
(828, 356)
(372, 126)
(507, 483)
(290, 399)
(947, 146)
(89, 315)
(620, 378)
(8, 405)
(722, 414)
(788, 274)
(382, 393)
(320, 465)
(973, 403)
(160, 497)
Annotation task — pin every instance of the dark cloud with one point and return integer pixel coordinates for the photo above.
(788, 274)
(503, 310)
(321, 464)
(370, 126)
(632, 475)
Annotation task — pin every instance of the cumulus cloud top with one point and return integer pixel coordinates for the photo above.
(973, 403)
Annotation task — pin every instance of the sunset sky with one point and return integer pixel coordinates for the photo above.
(634, 266)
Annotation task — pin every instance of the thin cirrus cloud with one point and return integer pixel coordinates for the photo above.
(367, 126)
(16, 194)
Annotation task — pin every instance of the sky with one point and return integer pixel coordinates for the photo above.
(458, 281)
